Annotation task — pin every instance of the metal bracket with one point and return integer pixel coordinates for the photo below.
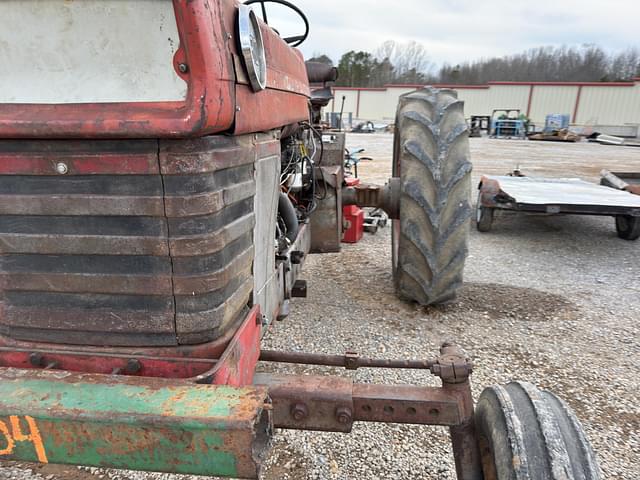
(310, 402)
(332, 404)
(453, 366)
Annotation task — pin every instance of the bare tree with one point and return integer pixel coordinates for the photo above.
(573, 64)
(410, 62)
(625, 65)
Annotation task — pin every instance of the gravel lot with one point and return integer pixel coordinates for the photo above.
(551, 300)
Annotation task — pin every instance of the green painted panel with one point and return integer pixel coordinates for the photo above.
(151, 426)
(197, 452)
(193, 401)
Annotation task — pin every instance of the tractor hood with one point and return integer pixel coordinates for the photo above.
(138, 69)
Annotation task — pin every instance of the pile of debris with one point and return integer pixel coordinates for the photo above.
(611, 140)
(563, 135)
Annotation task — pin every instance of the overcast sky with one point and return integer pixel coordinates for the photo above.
(457, 30)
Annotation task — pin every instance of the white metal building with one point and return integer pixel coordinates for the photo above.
(588, 104)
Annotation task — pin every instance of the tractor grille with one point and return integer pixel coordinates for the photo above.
(126, 243)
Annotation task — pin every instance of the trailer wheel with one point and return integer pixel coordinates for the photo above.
(525, 433)
(484, 216)
(431, 157)
(628, 227)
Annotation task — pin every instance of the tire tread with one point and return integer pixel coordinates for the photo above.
(533, 435)
(433, 154)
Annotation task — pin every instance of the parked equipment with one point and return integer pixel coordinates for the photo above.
(508, 124)
(364, 127)
(558, 196)
(156, 214)
(479, 124)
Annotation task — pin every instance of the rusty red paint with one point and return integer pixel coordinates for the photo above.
(108, 157)
(574, 119)
(237, 366)
(207, 46)
(106, 364)
(238, 353)
(286, 70)
(257, 110)
(531, 89)
(405, 404)
(208, 108)
(91, 164)
(321, 397)
(489, 188)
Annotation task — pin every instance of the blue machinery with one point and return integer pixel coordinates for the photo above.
(508, 125)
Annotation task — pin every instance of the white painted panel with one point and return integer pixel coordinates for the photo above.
(380, 105)
(602, 104)
(549, 99)
(509, 97)
(609, 105)
(564, 191)
(476, 101)
(350, 101)
(88, 51)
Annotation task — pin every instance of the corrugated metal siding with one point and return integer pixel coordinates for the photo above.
(609, 105)
(552, 99)
(600, 104)
(476, 102)
(508, 96)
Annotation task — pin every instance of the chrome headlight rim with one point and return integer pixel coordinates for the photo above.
(252, 48)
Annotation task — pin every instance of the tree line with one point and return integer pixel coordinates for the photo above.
(408, 63)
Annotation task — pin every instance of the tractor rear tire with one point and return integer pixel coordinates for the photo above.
(525, 433)
(628, 227)
(431, 157)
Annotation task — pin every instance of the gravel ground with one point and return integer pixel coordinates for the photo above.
(550, 300)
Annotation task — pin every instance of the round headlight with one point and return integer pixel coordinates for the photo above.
(252, 47)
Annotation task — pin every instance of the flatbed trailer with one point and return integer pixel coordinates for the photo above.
(562, 196)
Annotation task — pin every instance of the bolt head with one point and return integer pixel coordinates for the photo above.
(299, 412)
(183, 67)
(62, 168)
(344, 415)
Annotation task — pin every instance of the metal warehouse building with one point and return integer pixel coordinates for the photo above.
(589, 104)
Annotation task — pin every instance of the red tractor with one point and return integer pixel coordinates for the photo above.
(163, 177)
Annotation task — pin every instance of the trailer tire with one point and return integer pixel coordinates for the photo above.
(431, 157)
(525, 433)
(628, 227)
(484, 216)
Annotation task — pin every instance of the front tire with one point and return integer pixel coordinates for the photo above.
(431, 157)
(484, 216)
(528, 434)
